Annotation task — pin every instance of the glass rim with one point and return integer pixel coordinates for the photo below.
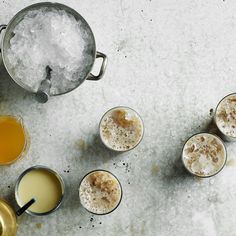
(19, 120)
(143, 129)
(121, 190)
(206, 176)
(227, 135)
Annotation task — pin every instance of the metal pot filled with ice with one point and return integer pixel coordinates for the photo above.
(50, 47)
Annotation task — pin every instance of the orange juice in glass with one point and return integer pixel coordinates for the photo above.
(14, 140)
(8, 225)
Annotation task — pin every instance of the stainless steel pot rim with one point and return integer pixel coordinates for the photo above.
(206, 176)
(47, 4)
(44, 168)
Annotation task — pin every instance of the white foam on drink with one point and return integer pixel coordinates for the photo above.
(204, 154)
(49, 37)
(100, 192)
(225, 116)
(121, 129)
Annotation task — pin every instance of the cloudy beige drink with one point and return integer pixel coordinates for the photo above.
(121, 129)
(225, 116)
(100, 192)
(204, 155)
(42, 185)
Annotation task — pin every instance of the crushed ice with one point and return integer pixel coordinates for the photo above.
(49, 37)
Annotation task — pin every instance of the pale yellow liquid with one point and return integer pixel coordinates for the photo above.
(44, 187)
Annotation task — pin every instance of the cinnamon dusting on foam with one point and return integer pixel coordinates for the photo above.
(100, 192)
(204, 154)
(226, 116)
(120, 117)
(121, 129)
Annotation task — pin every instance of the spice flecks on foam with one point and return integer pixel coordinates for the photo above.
(225, 116)
(121, 129)
(204, 154)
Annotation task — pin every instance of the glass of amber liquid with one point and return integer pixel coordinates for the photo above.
(14, 140)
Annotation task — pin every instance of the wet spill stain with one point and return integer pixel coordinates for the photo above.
(81, 145)
(231, 163)
(155, 169)
(39, 225)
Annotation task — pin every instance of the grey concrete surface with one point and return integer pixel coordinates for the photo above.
(172, 61)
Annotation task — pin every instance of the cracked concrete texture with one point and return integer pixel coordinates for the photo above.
(172, 61)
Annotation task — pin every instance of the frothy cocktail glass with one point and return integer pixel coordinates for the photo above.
(204, 155)
(225, 117)
(100, 192)
(121, 129)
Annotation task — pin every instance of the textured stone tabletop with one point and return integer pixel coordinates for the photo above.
(172, 61)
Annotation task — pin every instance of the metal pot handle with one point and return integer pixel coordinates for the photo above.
(103, 67)
(2, 27)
